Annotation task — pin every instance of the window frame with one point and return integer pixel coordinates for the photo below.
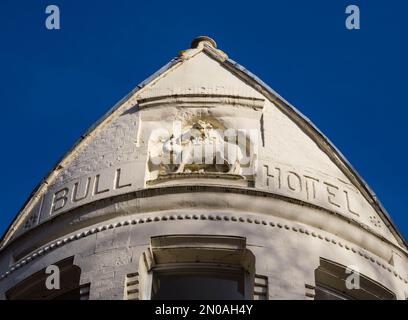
(195, 252)
(205, 269)
(332, 276)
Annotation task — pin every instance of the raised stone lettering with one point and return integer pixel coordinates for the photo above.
(270, 178)
(331, 189)
(117, 180)
(306, 187)
(96, 186)
(59, 200)
(311, 187)
(278, 170)
(294, 186)
(75, 197)
(348, 203)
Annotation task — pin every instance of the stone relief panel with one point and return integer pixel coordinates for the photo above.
(201, 146)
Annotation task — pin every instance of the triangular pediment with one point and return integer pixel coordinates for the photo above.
(293, 159)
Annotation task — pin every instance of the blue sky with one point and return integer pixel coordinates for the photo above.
(54, 84)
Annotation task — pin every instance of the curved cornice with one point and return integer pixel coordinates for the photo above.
(310, 214)
(265, 223)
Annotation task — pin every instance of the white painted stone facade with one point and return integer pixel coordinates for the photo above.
(298, 200)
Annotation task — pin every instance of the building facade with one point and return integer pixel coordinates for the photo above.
(203, 183)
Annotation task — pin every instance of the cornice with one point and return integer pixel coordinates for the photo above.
(262, 223)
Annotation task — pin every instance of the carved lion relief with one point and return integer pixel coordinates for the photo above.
(202, 146)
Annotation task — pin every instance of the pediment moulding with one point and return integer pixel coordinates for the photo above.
(201, 100)
(221, 93)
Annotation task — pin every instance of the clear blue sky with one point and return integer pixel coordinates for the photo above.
(351, 84)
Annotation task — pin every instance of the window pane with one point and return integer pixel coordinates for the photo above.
(322, 293)
(198, 285)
